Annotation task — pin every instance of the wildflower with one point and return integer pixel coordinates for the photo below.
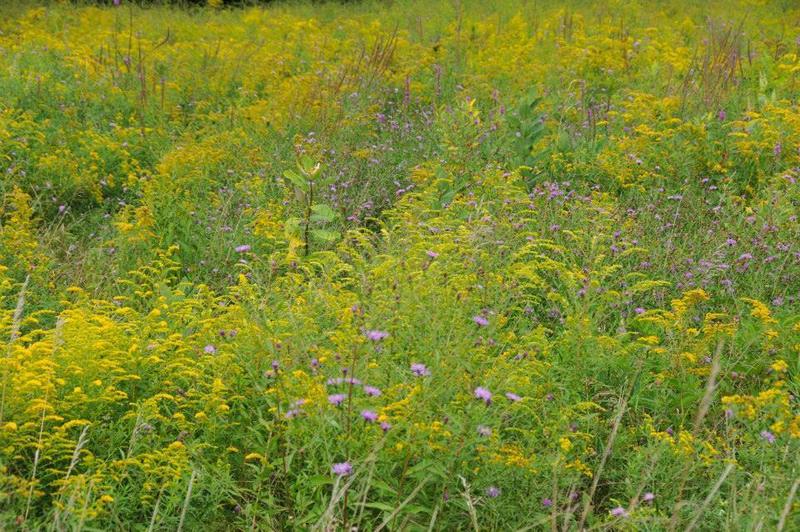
(372, 391)
(639, 311)
(210, 349)
(243, 248)
(385, 426)
(767, 435)
(492, 491)
(619, 511)
(513, 397)
(648, 497)
(420, 370)
(336, 399)
(342, 469)
(369, 416)
(722, 115)
(377, 336)
(480, 320)
(483, 430)
(731, 241)
(432, 254)
(547, 503)
(292, 413)
(275, 365)
(483, 394)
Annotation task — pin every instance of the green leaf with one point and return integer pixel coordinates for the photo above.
(292, 226)
(380, 506)
(296, 179)
(322, 213)
(324, 236)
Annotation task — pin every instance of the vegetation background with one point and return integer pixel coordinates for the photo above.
(400, 265)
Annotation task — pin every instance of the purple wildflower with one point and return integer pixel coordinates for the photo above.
(547, 503)
(492, 491)
(294, 412)
(420, 370)
(210, 349)
(513, 397)
(767, 435)
(336, 399)
(639, 311)
(369, 416)
(385, 426)
(377, 336)
(244, 248)
(648, 497)
(372, 391)
(480, 320)
(432, 254)
(619, 511)
(342, 469)
(483, 430)
(483, 394)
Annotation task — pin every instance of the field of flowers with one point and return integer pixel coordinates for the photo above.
(400, 265)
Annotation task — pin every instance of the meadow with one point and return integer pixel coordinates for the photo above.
(400, 265)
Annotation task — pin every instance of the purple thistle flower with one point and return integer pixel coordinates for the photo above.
(480, 320)
(639, 311)
(767, 435)
(648, 497)
(385, 426)
(210, 349)
(619, 511)
(547, 503)
(372, 391)
(369, 416)
(342, 469)
(492, 491)
(294, 412)
(244, 248)
(377, 336)
(432, 254)
(483, 394)
(513, 397)
(336, 399)
(420, 370)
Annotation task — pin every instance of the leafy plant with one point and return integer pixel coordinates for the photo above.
(317, 218)
(528, 128)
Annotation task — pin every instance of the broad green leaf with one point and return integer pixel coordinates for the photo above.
(324, 236)
(296, 179)
(322, 213)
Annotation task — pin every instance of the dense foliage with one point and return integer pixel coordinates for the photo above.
(406, 265)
